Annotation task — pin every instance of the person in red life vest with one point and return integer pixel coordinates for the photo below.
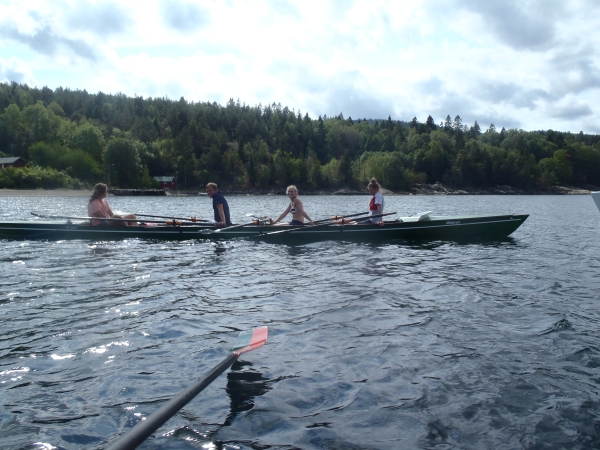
(376, 204)
(375, 207)
(98, 207)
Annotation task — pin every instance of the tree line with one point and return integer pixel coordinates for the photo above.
(72, 138)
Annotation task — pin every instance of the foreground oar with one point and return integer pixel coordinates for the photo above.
(246, 341)
(167, 222)
(189, 219)
(301, 228)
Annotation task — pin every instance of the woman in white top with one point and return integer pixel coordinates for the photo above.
(295, 207)
(376, 204)
(98, 207)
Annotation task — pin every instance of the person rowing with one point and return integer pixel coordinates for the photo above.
(296, 208)
(376, 204)
(375, 207)
(220, 205)
(98, 207)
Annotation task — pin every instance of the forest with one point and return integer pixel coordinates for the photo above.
(73, 139)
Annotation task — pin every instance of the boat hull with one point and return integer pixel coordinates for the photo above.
(433, 228)
(596, 198)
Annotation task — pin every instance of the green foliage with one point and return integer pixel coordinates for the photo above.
(94, 137)
(559, 166)
(433, 160)
(35, 177)
(389, 169)
(80, 164)
(46, 155)
(88, 138)
(330, 173)
(122, 159)
(40, 124)
(56, 109)
(76, 163)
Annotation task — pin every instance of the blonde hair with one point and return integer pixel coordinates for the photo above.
(99, 190)
(373, 183)
(212, 185)
(291, 186)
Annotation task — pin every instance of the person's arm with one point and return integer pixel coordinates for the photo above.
(380, 211)
(285, 213)
(300, 209)
(221, 214)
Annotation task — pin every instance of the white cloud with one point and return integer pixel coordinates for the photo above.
(13, 69)
(530, 63)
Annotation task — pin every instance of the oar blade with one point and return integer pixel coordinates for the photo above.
(250, 340)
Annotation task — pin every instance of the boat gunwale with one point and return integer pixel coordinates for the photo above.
(500, 226)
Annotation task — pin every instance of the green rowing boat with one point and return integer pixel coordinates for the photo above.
(408, 228)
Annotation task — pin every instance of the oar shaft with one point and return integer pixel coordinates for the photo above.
(145, 428)
(190, 219)
(300, 228)
(352, 215)
(341, 216)
(375, 216)
(107, 219)
(218, 230)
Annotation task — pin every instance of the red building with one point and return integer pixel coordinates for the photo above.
(167, 182)
(12, 162)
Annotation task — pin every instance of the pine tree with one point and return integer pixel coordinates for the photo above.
(429, 123)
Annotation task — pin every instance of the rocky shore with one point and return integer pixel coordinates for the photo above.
(429, 189)
(419, 189)
(438, 189)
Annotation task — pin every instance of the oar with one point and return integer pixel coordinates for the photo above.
(256, 217)
(259, 218)
(246, 341)
(168, 222)
(207, 231)
(189, 219)
(321, 225)
(341, 217)
(218, 230)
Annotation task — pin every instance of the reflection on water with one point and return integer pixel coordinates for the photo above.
(221, 247)
(243, 385)
(99, 250)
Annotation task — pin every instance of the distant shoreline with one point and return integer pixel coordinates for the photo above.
(422, 189)
(44, 193)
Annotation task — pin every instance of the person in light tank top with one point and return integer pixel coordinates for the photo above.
(376, 204)
(98, 207)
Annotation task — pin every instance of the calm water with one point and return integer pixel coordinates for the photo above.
(397, 345)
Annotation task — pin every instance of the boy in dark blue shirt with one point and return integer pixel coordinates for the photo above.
(220, 205)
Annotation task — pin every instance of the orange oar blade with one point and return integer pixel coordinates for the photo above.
(250, 340)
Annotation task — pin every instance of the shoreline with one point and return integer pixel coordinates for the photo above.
(420, 189)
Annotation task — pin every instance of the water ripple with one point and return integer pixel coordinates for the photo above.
(390, 345)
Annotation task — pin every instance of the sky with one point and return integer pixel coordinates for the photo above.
(526, 64)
